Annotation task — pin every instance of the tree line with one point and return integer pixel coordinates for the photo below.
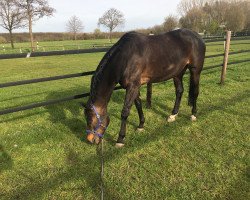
(15, 14)
(209, 17)
(58, 36)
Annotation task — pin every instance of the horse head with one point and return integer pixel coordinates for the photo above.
(97, 123)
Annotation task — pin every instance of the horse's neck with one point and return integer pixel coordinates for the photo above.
(101, 96)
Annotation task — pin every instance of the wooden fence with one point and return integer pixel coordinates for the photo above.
(54, 101)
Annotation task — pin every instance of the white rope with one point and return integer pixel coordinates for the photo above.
(102, 171)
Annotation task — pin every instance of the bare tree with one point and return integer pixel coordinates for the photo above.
(11, 17)
(212, 15)
(194, 20)
(186, 5)
(74, 26)
(170, 23)
(235, 18)
(34, 10)
(112, 19)
(246, 6)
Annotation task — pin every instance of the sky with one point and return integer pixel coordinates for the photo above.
(137, 13)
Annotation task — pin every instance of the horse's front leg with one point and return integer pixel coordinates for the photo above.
(131, 93)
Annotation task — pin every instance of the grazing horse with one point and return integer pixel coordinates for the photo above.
(137, 59)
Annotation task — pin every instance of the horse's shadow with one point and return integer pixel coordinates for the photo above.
(69, 114)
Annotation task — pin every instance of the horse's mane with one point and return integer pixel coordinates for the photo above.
(96, 78)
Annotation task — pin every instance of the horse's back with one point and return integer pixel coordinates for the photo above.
(158, 57)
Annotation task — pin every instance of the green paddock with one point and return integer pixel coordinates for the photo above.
(44, 154)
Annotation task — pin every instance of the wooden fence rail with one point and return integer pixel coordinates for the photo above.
(54, 101)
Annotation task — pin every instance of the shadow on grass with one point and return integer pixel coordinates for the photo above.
(240, 97)
(22, 116)
(68, 113)
(5, 160)
(240, 189)
(23, 96)
(87, 168)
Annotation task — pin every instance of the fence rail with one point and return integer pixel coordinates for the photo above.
(47, 103)
(52, 78)
(54, 101)
(38, 80)
(96, 48)
(53, 53)
(220, 39)
(78, 96)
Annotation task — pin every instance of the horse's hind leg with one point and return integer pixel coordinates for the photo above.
(149, 95)
(178, 91)
(193, 90)
(131, 93)
(140, 113)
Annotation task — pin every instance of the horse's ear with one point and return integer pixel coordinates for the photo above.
(83, 105)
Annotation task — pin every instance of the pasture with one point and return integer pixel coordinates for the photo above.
(54, 45)
(44, 154)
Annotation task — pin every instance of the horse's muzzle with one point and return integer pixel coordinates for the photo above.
(93, 139)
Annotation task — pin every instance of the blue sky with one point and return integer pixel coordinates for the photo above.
(138, 13)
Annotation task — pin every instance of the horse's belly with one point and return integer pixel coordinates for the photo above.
(155, 77)
(157, 73)
(145, 80)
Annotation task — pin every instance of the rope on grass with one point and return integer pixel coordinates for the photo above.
(102, 172)
(100, 152)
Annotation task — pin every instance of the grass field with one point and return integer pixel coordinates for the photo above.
(55, 45)
(43, 153)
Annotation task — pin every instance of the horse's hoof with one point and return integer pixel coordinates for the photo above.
(193, 118)
(172, 118)
(119, 145)
(140, 129)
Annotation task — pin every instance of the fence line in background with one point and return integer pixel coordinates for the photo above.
(53, 53)
(47, 103)
(96, 48)
(54, 101)
(52, 78)
(38, 80)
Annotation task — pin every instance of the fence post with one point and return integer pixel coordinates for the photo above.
(225, 61)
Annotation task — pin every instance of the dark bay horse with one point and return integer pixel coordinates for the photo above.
(137, 59)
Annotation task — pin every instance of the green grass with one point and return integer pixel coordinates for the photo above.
(43, 156)
(55, 45)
